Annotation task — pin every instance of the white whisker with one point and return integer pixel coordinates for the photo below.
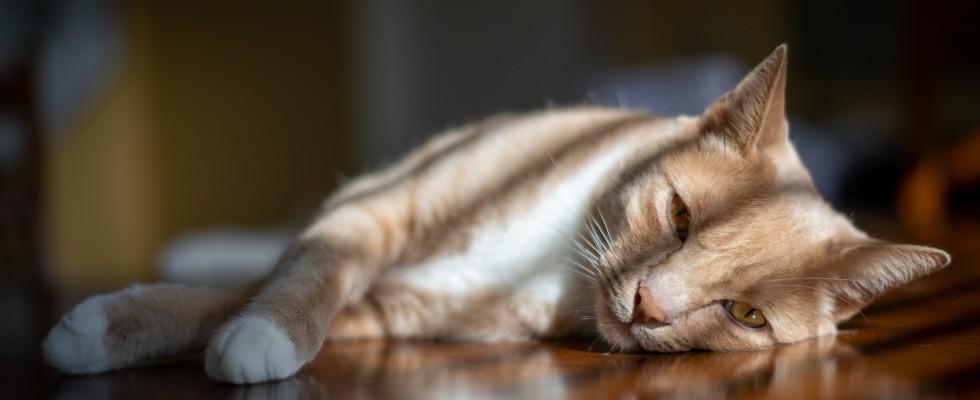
(594, 272)
(595, 236)
(594, 342)
(586, 277)
(605, 231)
(596, 231)
(594, 258)
(583, 269)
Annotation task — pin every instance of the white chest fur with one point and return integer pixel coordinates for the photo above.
(525, 253)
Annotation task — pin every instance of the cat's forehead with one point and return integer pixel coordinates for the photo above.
(746, 207)
(793, 221)
(714, 175)
(757, 214)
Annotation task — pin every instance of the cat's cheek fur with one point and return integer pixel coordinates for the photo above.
(75, 345)
(252, 349)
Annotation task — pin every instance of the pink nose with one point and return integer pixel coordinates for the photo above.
(646, 310)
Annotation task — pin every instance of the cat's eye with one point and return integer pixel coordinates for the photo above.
(745, 314)
(680, 217)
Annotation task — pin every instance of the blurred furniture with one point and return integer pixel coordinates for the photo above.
(24, 295)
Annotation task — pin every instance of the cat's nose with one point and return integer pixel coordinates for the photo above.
(646, 310)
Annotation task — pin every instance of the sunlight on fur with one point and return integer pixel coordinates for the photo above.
(650, 233)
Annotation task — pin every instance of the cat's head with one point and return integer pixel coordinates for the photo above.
(724, 243)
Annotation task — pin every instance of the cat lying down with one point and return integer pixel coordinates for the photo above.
(655, 234)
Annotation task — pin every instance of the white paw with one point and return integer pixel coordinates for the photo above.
(250, 350)
(75, 345)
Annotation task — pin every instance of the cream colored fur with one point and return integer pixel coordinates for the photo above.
(549, 224)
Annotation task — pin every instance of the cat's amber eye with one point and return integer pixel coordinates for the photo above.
(680, 217)
(745, 314)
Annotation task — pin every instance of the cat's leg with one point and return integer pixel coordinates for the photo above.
(137, 325)
(284, 326)
(398, 311)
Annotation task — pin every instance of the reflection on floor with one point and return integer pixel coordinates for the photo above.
(919, 341)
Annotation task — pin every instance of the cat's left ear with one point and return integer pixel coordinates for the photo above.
(864, 271)
(752, 115)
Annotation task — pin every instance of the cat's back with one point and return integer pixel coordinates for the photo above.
(501, 150)
(517, 185)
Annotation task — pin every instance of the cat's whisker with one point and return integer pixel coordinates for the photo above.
(592, 261)
(585, 257)
(581, 268)
(860, 312)
(579, 248)
(598, 235)
(593, 249)
(593, 232)
(593, 257)
(590, 249)
(586, 316)
(592, 243)
(586, 277)
(592, 240)
(592, 272)
(605, 225)
(594, 342)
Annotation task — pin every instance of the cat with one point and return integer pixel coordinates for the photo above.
(656, 234)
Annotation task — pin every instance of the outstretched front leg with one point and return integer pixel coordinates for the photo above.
(285, 324)
(138, 325)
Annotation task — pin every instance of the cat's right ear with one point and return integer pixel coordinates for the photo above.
(752, 115)
(865, 270)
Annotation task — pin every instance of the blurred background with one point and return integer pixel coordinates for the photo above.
(136, 135)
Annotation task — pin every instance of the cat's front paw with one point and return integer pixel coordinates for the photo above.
(75, 345)
(251, 349)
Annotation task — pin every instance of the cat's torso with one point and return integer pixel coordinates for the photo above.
(515, 231)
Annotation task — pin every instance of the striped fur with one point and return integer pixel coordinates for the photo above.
(548, 224)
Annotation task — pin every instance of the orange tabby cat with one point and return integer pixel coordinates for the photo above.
(657, 234)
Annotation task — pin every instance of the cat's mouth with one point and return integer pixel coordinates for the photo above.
(621, 335)
(626, 335)
(629, 336)
(637, 319)
(638, 328)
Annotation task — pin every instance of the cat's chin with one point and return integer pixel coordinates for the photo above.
(629, 337)
(656, 338)
(620, 336)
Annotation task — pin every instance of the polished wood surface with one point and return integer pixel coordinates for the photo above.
(921, 341)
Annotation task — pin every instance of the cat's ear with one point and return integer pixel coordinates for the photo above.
(864, 271)
(752, 115)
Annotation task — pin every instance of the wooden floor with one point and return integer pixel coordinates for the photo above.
(922, 341)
